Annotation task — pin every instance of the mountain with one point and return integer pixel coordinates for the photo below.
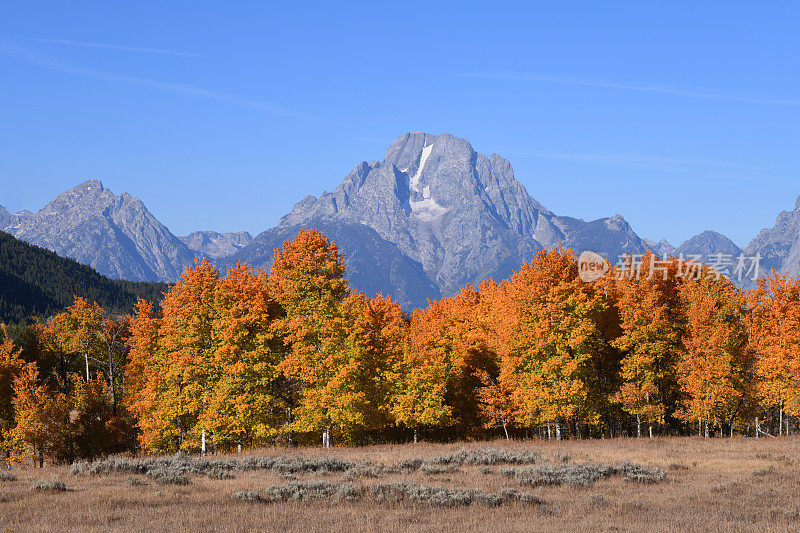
(779, 246)
(116, 235)
(430, 217)
(212, 244)
(444, 212)
(37, 282)
(708, 243)
(661, 248)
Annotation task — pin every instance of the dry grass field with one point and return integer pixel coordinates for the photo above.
(711, 485)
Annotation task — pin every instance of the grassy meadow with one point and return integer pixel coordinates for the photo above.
(735, 484)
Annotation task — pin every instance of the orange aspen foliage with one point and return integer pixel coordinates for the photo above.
(307, 280)
(185, 363)
(775, 309)
(451, 333)
(245, 403)
(353, 387)
(651, 324)
(145, 382)
(11, 365)
(713, 369)
(551, 335)
(79, 324)
(41, 418)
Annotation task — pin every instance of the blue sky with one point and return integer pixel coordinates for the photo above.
(681, 117)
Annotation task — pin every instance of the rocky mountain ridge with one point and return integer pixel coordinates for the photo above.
(431, 216)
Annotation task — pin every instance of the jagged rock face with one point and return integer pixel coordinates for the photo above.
(661, 248)
(779, 246)
(461, 215)
(6, 218)
(213, 244)
(609, 237)
(116, 235)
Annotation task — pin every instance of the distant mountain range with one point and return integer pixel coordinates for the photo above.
(428, 218)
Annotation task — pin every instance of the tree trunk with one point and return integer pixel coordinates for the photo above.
(415, 435)
(558, 431)
(505, 429)
(780, 420)
(549, 436)
(203, 442)
(706, 425)
(651, 431)
(638, 426)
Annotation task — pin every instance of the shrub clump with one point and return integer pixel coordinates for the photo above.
(432, 470)
(246, 496)
(371, 471)
(44, 485)
(7, 476)
(384, 493)
(583, 474)
(445, 497)
(312, 490)
(765, 472)
(219, 473)
(486, 457)
(182, 464)
(641, 474)
(134, 481)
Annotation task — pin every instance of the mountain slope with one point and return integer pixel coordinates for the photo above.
(779, 246)
(373, 264)
(213, 244)
(116, 235)
(37, 282)
(707, 244)
(459, 214)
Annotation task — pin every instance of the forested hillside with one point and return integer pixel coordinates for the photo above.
(35, 282)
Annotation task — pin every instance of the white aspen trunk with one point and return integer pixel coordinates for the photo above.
(706, 429)
(239, 448)
(415, 435)
(699, 428)
(558, 431)
(505, 429)
(638, 426)
(651, 431)
(757, 428)
(203, 442)
(549, 435)
(86, 355)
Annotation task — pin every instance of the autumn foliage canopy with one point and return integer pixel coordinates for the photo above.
(246, 358)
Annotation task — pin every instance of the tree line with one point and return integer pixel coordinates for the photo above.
(35, 282)
(254, 358)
